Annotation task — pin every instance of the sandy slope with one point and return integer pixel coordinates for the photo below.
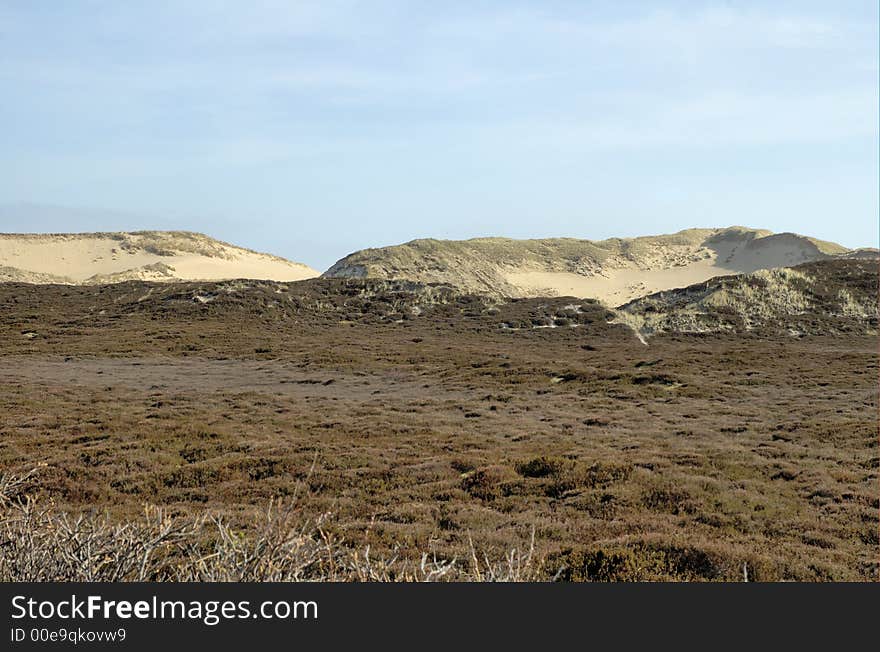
(614, 271)
(615, 286)
(152, 255)
(625, 280)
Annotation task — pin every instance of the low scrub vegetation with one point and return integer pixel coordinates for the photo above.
(432, 434)
(39, 543)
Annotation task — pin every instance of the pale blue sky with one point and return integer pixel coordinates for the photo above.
(311, 129)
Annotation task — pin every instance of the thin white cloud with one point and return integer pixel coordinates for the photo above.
(216, 46)
(717, 119)
(708, 29)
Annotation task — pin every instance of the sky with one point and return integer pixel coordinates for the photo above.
(313, 129)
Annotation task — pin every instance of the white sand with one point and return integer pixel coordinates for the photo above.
(80, 257)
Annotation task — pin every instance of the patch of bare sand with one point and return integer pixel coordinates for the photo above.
(626, 280)
(90, 258)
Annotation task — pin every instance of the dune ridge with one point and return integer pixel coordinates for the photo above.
(614, 271)
(99, 258)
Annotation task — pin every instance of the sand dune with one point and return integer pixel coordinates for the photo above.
(624, 280)
(90, 258)
(614, 271)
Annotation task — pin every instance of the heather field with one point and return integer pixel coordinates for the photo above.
(333, 429)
